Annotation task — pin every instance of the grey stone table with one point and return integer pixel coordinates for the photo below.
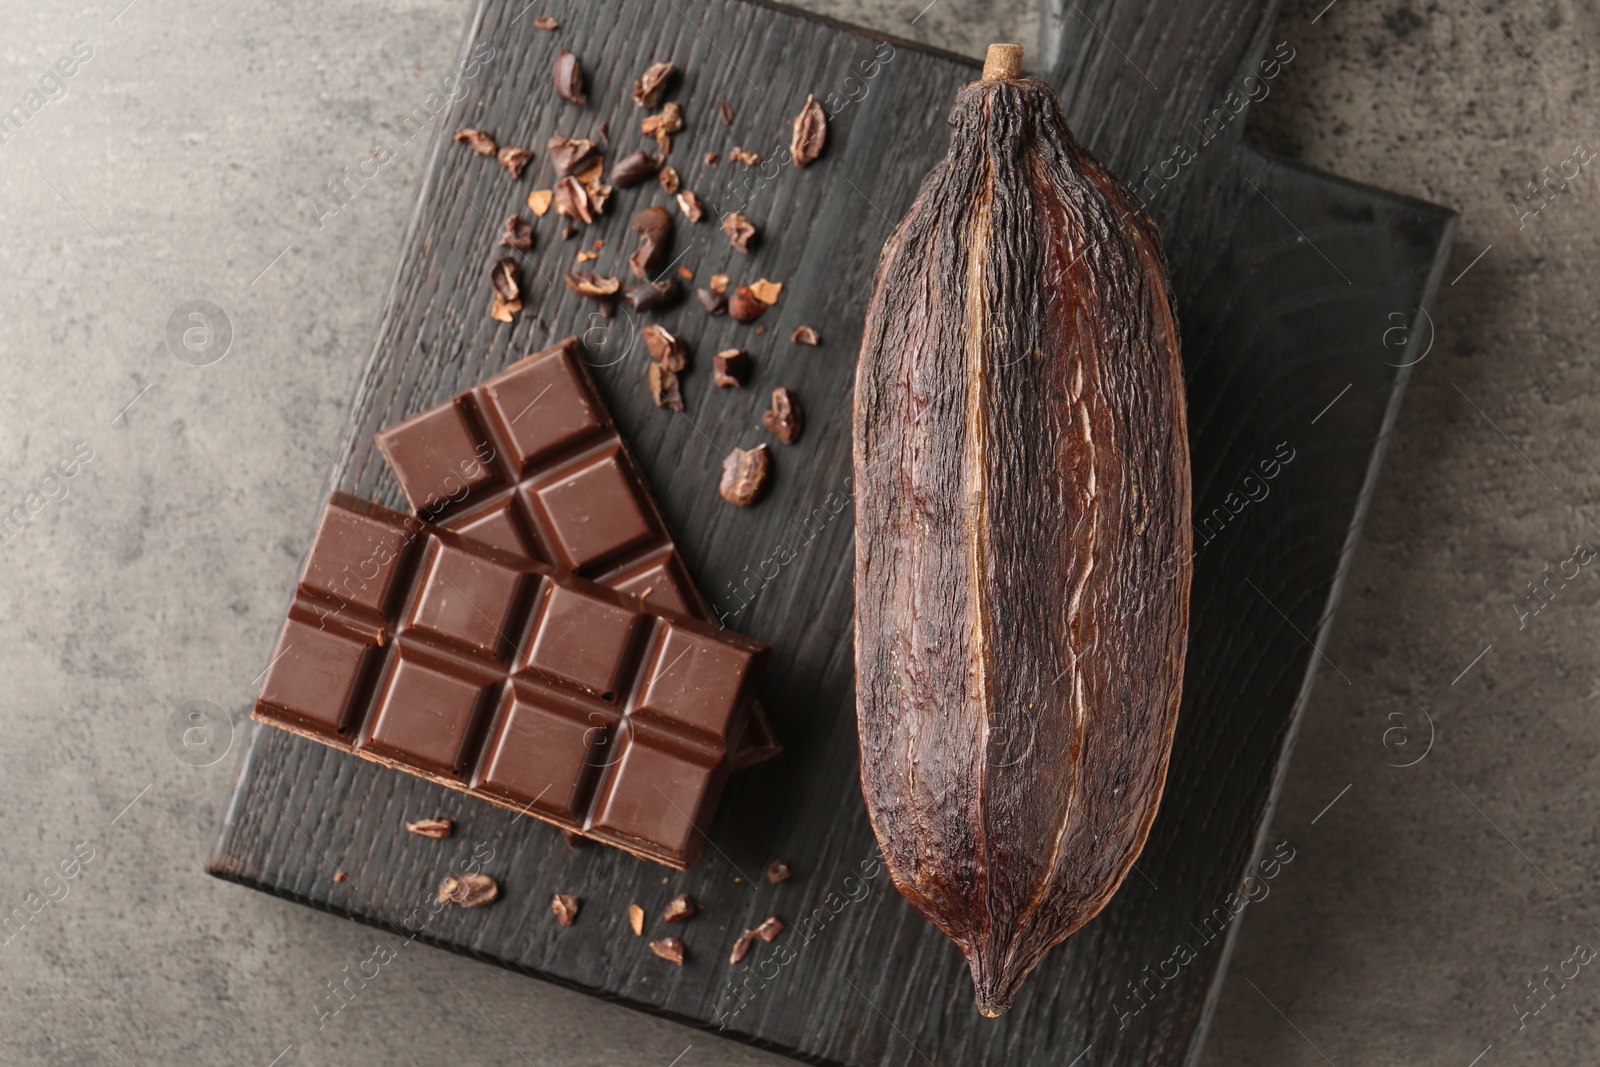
(166, 153)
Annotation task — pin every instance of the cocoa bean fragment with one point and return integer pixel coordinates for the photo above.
(1017, 694)
(727, 112)
(740, 230)
(545, 22)
(739, 155)
(592, 285)
(653, 296)
(477, 140)
(678, 909)
(569, 156)
(712, 303)
(636, 919)
(568, 78)
(689, 204)
(730, 369)
(572, 200)
(744, 475)
(514, 159)
(437, 829)
(539, 201)
(668, 177)
(810, 133)
(565, 908)
(777, 871)
(633, 169)
(669, 949)
(653, 224)
(664, 388)
(652, 83)
(665, 348)
(518, 234)
(784, 418)
(468, 891)
(805, 335)
(744, 306)
(770, 928)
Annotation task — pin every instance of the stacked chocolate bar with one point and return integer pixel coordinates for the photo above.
(530, 635)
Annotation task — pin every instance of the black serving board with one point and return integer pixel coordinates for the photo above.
(1296, 291)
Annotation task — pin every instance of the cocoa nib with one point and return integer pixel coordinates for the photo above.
(770, 928)
(664, 388)
(810, 133)
(744, 475)
(569, 78)
(689, 204)
(646, 259)
(539, 201)
(545, 22)
(678, 909)
(730, 368)
(777, 871)
(565, 907)
(669, 121)
(749, 159)
(669, 180)
(784, 418)
(745, 306)
(571, 156)
(477, 140)
(519, 234)
(805, 335)
(712, 303)
(727, 112)
(503, 279)
(636, 919)
(653, 224)
(669, 949)
(652, 83)
(666, 348)
(572, 200)
(634, 168)
(653, 296)
(591, 285)
(434, 828)
(766, 292)
(514, 159)
(719, 283)
(469, 890)
(740, 230)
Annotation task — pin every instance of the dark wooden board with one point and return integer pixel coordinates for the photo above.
(1287, 283)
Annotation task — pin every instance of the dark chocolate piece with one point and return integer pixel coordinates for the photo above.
(530, 463)
(511, 680)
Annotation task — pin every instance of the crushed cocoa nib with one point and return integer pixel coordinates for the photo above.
(711, 159)
(539, 201)
(666, 348)
(645, 259)
(514, 159)
(659, 126)
(571, 155)
(598, 193)
(730, 368)
(805, 335)
(545, 22)
(777, 871)
(518, 234)
(739, 155)
(810, 133)
(592, 285)
(636, 919)
(741, 946)
(712, 303)
(437, 829)
(744, 307)
(669, 949)
(770, 928)
(339, 876)
(568, 78)
(668, 177)
(477, 140)
(572, 200)
(685, 273)
(765, 291)
(689, 204)
(740, 230)
(727, 112)
(784, 418)
(565, 908)
(587, 257)
(653, 296)
(469, 890)
(652, 83)
(591, 171)
(504, 310)
(653, 224)
(719, 283)
(664, 388)
(744, 475)
(678, 909)
(633, 169)
(503, 279)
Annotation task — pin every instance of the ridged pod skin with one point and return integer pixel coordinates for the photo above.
(1022, 537)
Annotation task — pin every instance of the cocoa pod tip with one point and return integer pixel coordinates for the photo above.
(1003, 63)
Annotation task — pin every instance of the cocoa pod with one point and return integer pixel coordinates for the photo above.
(1022, 499)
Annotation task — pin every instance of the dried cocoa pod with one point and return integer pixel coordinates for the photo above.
(1022, 499)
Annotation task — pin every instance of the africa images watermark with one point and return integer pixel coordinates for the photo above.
(50, 87)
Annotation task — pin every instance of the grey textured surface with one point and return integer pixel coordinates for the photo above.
(187, 159)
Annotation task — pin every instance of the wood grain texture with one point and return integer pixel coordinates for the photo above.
(1272, 332)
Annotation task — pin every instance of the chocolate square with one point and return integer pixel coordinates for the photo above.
(540, 407)
(656, 792)
(583, 640)
(426, 712)
(694, 681)
(356, 555)
(315, 675)
(546, 751)
(591, 512)
(468, 597)
(439, 457)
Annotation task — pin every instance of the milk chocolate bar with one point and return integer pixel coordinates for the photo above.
(530, 463)
(511, 679)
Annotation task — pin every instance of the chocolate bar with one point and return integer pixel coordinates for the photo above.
(530, 463)
(512, 680)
